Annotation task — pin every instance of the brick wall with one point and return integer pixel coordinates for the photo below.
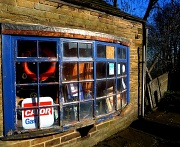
(43, 12)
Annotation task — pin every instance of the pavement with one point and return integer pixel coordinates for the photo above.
(159, 128)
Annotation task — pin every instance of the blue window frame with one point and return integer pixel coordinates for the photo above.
(65, 81)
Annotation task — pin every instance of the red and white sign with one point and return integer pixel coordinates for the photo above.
(30, 116)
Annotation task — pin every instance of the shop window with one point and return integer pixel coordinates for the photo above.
(64, 81)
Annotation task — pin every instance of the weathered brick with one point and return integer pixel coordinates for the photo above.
(102, 125)
(9, 2)
(27, 4)
(52, 142)
(42, 7)
(39, 145)
(40, 140)
(70, 136)
(63, 134)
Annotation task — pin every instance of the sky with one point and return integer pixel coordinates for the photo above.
(138, 7)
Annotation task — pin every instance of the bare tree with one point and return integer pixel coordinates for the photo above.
(164, 37)
(127, 6)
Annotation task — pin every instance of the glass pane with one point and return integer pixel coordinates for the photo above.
(119, 85)
(26, 48)
(101, 107)
(110, 52)
(119, 53)
(119, 103)
(86, 70)
(119, 68)
(111, 70)
(123, 53)
(86, 110)
(85, 50)
(88, 90)
(110, 103)
(110, 87)
(70, 113)
(124, 99)
(47, 49)
(22, 72)
(123, 69)
(100, 88)
(100, 70)
(47, 71)
(50, 91)
(124, 87)
(101, 51)
(69, 71)
(29, 70)
(26, 92)
(73, 92)
(70, 49)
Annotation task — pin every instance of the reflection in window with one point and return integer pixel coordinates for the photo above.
(70, 113)
(100, 70)
(85, 50)
(86, 110)
(121, 53)
(70, 49)
(27, 48)
(101, 51)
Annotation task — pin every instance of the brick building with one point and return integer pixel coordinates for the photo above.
(71, 72)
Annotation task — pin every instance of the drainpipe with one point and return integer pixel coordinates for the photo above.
(145, 36)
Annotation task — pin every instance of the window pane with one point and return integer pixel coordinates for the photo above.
(85, 50)
(124, 99)
(101, 106)
(124, 84)
(110, 86)
(26, 92)
(86, 110)
(100, 70)
(123, 69)
(26, 48)
(111, 70)
(70, 49)
(101, 51)
(110, 103)
(119, 68)
(88, 90)
(100, 87)
(110, 52)
(86, 70)
(119, 53)
(119, 101)
(50, 91)
(69, 71)
(73, 92)
(123, 53)
(47, 71)
(70, 113)
(47, 49)
(119, 85)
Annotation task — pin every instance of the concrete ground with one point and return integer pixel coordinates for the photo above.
(160, 128)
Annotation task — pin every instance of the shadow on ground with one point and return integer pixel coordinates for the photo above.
(159, 128)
